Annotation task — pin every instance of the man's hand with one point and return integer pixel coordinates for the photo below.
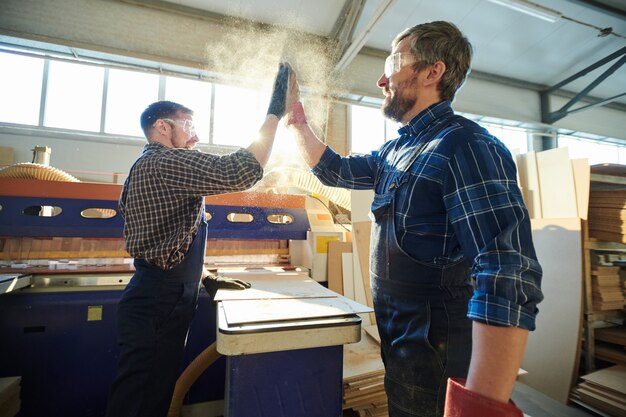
(278, 103)
(296, 115)
(213, 282)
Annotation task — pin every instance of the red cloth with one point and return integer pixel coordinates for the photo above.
(461, 402)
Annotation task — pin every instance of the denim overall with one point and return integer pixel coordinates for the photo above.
(153, 319)
(421, 313)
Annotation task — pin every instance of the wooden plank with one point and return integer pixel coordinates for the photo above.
(552, 351)
(261, 311)
(347, 272)
(613, 378)
(556, 184)
(582, 182)
(362, 359)
(615, 335)
(335, 276)
(362, 231)
(529, 182)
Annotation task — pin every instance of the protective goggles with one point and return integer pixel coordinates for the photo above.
(186, 124)
(395, 62)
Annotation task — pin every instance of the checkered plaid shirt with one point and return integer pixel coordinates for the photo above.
(163, 196)
(456, 193)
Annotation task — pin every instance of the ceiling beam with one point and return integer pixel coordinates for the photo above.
(360, 39)
(601, 7)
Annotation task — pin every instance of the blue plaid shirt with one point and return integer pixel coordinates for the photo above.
(458, 193)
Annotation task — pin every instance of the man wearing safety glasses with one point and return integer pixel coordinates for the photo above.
(454, 274)
(162, 202)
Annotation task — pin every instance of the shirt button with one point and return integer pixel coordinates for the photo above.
(392, 186)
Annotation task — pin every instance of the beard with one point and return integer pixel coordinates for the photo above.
(399, 104)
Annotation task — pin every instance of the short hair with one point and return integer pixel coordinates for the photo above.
(162, 109)
(441, 41)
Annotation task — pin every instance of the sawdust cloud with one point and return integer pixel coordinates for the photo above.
(248, 54)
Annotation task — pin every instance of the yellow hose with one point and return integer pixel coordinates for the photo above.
(189, 376)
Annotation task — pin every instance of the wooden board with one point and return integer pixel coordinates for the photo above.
(582, 178)
(615, 335)
(552, 352)
(281, 285)
(335, 275)
(347, 273)
(361, 246)
(556, 184)
(529, 183)
(613, 378)
(362, 358)
(259, 311)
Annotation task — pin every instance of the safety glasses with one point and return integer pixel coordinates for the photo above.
(186, 124)
(395, 62)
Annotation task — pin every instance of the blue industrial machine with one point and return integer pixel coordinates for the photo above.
(58, 331)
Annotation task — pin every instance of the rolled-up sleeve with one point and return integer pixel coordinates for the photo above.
(488, 215)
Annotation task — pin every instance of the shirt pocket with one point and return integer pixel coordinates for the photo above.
(381, 207)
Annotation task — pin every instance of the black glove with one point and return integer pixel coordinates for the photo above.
(213, 282)
(279, 95)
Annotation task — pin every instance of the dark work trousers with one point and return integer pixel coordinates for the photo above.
(153, 319)
(421, 315)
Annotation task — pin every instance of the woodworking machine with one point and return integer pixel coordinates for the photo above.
(63, 269)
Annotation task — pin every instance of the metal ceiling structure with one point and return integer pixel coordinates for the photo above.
(511, 46)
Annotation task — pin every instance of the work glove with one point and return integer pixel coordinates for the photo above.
(278, 104)
(213, 282)
(461, 402)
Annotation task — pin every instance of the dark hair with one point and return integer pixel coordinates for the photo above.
(160, 110)
(441, 41)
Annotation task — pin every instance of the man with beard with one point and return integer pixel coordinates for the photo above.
(454, 274)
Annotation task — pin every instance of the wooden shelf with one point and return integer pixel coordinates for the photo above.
(605, 246)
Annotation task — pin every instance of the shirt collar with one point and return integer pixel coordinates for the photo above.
(153, 145)
(426, 117)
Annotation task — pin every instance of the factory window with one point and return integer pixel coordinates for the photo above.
(516, 139)
(369, 129)
(128, 94)
(74, 96)
(237, 115)
(595, 152)
(21, 78)
(195, 95)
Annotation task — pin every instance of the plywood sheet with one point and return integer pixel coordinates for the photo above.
(259, 311)
(556, 184)
(582, 182)
(362, 358)
(613, 378)
(552, 351)
(529, 183)
(347, 271)
(283, 285)
(361, 205)
(335, 275)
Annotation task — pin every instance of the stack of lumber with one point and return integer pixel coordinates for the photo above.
(607, 288)
(10, 396)
(611, 344)
(363, 380)
(607, 215)
(604, 390)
